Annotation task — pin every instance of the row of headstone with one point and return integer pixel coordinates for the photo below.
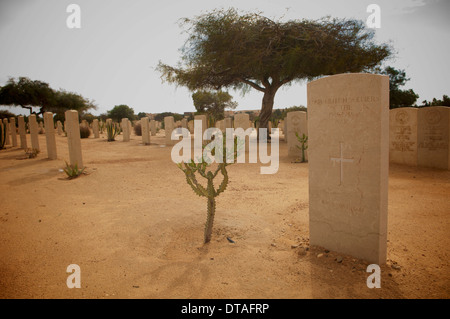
(420, 137)
(49, 127)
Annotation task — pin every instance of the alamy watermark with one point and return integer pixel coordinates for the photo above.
(213, 152)
(374, 280)
(74, 279)
(73, 21)
(374, 19)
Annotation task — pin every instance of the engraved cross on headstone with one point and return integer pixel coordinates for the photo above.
(342, 160)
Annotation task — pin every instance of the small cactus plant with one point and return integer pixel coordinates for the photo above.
(304, 141)
(210, 191)
(72, 171)
(112, 130)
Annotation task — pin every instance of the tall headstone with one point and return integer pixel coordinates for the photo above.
(403, 136)
(145, 129)
(12, 128)
(169, 126)
(7, 126)
(50, 135)
(72, 126)
(95, 128)
(285, 130)
(242, 120)
(221, 125)
(228, 122)
(126, 130)
(204, 122)
(296, 123)
(348, 126)
(184, 123)
(22, 132)
(130, 128)
(153, 127)
(34, 131)
(191, 127)
(41, 129)
(433, 137)
(59, 127)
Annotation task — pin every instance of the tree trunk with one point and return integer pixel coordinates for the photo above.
(266, 110)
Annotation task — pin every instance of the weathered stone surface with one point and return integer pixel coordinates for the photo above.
(50, 135)
(95, 128)
(153, 127)
(22, 132)
(72, 126)
(145, 129)
(169, 126)
(403, 136)
(7, 126)
(34, 131)
(348, 128)
(296, 123)
(125, 130)
(204, 122)
(12, 129)
(433, 137)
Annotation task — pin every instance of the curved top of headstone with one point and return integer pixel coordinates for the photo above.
(347, 76)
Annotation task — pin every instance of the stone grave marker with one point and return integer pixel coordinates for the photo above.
(433, 137)
(12, 128)
(403, 136)
(348, 126)
(169, 126)
(34, 131)
(72, 127)
(50, 135)
(22, 132)
(296, 123)
(145, 129)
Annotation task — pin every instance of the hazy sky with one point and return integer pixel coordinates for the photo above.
(111, 59)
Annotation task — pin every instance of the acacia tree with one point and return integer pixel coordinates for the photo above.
(228, 50)
(213, 103)
(28, 93)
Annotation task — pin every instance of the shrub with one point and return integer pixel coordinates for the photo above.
(85, 132)
(31, 152)
(138, 129)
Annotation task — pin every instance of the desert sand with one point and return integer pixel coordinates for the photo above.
(135, 228)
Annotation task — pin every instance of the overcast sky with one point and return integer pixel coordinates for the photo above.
(111, 59)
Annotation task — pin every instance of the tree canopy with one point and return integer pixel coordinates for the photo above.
(28, 93)
(397, 96)
(227, 50)
(118, 112)
(436, 102)
(213, 103)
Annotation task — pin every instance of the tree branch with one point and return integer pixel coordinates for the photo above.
(252, 84)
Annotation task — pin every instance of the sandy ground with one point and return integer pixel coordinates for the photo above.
(135, 228)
